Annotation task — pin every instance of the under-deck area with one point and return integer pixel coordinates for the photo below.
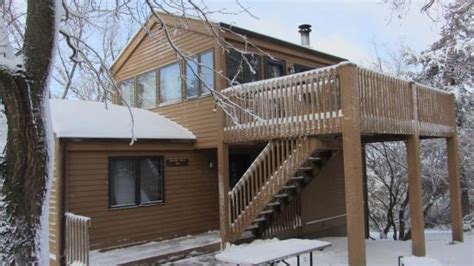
(308, 118)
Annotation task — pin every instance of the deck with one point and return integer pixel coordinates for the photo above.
(310, 103)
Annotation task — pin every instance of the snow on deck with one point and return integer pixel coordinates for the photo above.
(153, 249)
(86, 119)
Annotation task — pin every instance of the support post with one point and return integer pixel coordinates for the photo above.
(353, 173)
(415, 197)
(414, 184)
(454, 188)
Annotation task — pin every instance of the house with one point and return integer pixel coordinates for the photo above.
(269, 141)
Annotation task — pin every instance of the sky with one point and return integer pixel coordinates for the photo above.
(349, 29)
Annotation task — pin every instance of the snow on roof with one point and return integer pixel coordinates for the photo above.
(86, 119)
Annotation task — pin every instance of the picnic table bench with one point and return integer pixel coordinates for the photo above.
(272, 252)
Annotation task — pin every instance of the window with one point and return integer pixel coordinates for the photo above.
(207, 72)
(170, 83)
(201, 65)
(274, 68)
(301, 68)
(192, 80)
(238, 67)
(127, 91)
(135, 181)
(146, 90)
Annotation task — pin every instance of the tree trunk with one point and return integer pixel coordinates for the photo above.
(26, 155)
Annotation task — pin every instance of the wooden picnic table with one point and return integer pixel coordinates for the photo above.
(271, 252)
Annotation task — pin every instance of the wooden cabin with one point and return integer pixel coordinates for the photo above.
(279, 155)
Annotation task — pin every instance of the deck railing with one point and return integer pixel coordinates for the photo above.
(301, 104)
(77, 239)
(309, 103)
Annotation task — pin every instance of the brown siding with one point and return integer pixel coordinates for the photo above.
(190, 196)
(323, 198)
(196, 115)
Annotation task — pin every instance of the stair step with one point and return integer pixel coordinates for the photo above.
(289, 187)
(252, 227)
(314, 159)
(297, 178)
(306, 168)
(259, 219)
(272, 204)
(279, 196)
(269, 211)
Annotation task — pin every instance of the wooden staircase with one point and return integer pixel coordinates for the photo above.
(272, 182)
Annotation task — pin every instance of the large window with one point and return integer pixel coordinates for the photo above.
(127, 91)
(301, 68)
(146, 90)
(274, 68)
(170, 83)
(200, 66)
(135, 181)
(242, 68)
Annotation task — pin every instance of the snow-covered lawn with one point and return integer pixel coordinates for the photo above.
(379, 252)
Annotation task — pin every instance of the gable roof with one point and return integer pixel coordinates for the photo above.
(281, 42)
(95, 120)
(171, 20)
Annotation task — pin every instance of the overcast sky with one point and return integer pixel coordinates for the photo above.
(347, 28)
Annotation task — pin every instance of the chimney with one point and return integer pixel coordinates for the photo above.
(305, 29)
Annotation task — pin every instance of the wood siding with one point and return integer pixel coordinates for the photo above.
(195, 114)
(324, 198)
(191, 202)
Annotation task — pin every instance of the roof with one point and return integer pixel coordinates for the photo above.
(281, 42)
(96, 120)
(134, 41)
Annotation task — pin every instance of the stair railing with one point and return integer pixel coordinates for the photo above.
(266, 176)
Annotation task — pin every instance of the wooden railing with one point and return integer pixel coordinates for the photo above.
(436, 111)
(297, 105)
(77, 239)
(272, 169)
(309, 103)
(389, 105)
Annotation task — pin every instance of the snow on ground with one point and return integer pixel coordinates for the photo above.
(85, 119)
(379, 252)
(153, 249)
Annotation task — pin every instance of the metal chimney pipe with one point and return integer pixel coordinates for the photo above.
(305, 29)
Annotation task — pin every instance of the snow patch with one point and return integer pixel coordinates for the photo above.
(86, 119)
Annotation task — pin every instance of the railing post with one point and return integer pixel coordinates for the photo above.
(454, 182)
(414, 182)
(352, 152)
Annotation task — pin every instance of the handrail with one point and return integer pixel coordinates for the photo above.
(77, 239)
(264, 179)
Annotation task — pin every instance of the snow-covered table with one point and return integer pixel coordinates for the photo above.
(271, 252)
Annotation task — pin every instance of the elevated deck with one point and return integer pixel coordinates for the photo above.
(310, 104)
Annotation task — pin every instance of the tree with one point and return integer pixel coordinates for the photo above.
(24, 91)
(449, 64)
